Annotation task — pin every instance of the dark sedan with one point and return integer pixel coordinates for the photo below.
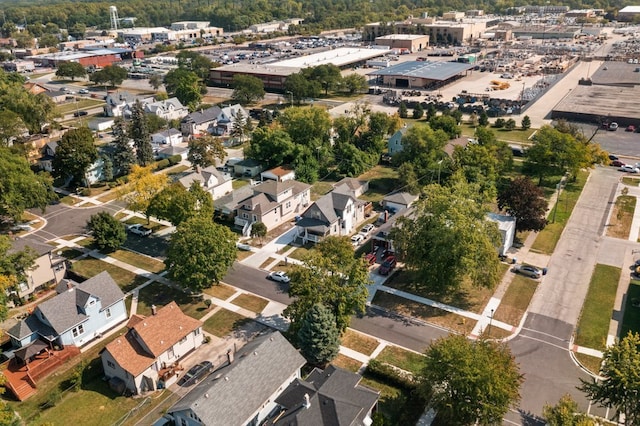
(196, 373)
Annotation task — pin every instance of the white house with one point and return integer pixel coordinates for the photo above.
(118, 104)
(279, 174)
(167, 137)
(211, 180)
(200, 122)
(150, 352)
(507, 228)
(169, 109)
(398, 201)
(228, 117)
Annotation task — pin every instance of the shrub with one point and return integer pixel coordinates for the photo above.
(162, 164)
(85, 192)
(500, 123)
(175, 159)
(387, 374)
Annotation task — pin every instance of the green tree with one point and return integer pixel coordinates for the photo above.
(403, 111)
(470, 382)
(483, 119)
(13, 268)
(48, 40)
(74, 154)
(418, 112)
(123, 155)
(510, 124)
(155, 81)
(71, 70)
(522, 199)
(259, 230)
(318, 337)
(195, 62)
(565, 413)
(621, 384)
(307, 126)
(479, 165)
(200, 253)
(142, 186)
(112, 74)
(11, 126)
(21, 188)
(77, 30)
(299, 88)
(331, 276)
(107, 168)
(139, 132)
(499, 123)
(205, 150)
(185, 85)
(328, 76)
(526, 123)
(448, 239)
(446, 123)
(270, 146)
(108, 232)
(177, 204)
(424, 148)
(355, 83)
(247, 89)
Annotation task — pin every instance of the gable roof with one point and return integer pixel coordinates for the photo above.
(352, 183)
(335, 398)
(404, 198)
(235, 393)
(165, 105)
(157, 332)
(203, 116)
(203, 176)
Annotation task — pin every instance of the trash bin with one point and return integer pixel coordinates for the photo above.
(544, 271)
(514, 261)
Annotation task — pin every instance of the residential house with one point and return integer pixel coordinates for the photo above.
(48, 269)
(398, 201)
(211, 180)
(167, 137)
(150, 351)
(118, 104)
(328, 397)
(272, 203)
(95, 172)
(247, 167)
(279, 174)
(356, 187)
(168, 109)
(172, 150)
(228, 117)
(56, 96)
(394, 144)
(225, 206)
(79, 313)
(200, 122)
(34, 88)
(507, 227)
(48, 152)
(244, 391)
(100, 124)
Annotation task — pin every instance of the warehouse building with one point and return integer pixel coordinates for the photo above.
(408, 42)
(421, 74)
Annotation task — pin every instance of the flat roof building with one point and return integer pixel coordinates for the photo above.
(410, 42)
(628, 13)
(421, 74)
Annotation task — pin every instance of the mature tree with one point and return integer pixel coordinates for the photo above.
(247, 89)
(299, 87)
(353, 162)
(108, 232)
(203, 202)
(34, 110)
(23, 39)
(189, 95)
(418, 112)
(499, 149)
(195, 62)
(177, 204)
(21, 188)
(526, 122)
(185, 85)
(328, 76)
(155, 81)
(332, 276)
(447, 123)
(307, 126)
(155, 123)
(479, 165)
(355, 83)
(123, 155)
(565, 413)
(71, 70)
(142, 186)
(483, 119)
(139, 132)
(200, 253)
(74, 154)
(424, 148)
(510, 124)
(403, 111)
(48, 40)
(620, 387)
(205, 150)
(270, 146)
(13, 268)
(448, 240)
(470, 382)
(318, 337)
(107, 167)
(522, 199)
(112, 74)
(407, 178)
(259, 230)
(11, 126)
(77, 30)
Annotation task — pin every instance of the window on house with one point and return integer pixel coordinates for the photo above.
(107, 313)
(245, 216)
(183, 422)
(196, 331)
(78, 330)
(184, 339)
(288, 204)
(111, 364)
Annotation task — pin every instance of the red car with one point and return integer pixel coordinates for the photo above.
(617, 163)
(387, 266)
(370, 258)
(631, 128)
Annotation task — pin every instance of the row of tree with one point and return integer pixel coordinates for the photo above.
(313, 81)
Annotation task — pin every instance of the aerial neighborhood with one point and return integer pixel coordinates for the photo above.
(299, 214)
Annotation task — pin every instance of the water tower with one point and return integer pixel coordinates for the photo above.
(113, 12)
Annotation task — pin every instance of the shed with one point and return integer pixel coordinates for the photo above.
(247, 167)
(507, 227)
(398, 201)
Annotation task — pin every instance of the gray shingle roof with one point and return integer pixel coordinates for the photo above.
(401, 198)
(203, 116)
(232, 395)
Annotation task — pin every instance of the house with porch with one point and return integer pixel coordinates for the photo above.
(168, 109)
(167, 137)
(118, 104)
(211, 180)
(272, 203)
(149, 354)
(200, 122)
(228, 117)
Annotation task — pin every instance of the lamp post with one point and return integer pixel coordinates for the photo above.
(288, 92)
(490, 321)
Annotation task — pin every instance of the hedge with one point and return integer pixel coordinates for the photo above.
(175, 159)
(162, 164)
(387, 374)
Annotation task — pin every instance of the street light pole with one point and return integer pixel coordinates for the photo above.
(290, 96)
(490, 321)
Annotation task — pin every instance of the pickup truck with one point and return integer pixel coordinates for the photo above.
(138, 229)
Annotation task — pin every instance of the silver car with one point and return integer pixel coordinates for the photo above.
(528, 270)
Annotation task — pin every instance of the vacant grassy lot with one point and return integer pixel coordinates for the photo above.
(347, 363)
(138, 260)
(224, 322)
(547, 239)
(621, 217)
(90, 267)
(593, 326)
(70, 107)
(517, 135)
(516, 300)
(159, 294)
(320, 188)
(382, 181)
(250, 302)
(359, 342)
(631, 320)
(221, 291)
(401, 358)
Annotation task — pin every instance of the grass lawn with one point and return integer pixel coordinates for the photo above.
(239, 183)
(224, 322)
(220, 291)
(81, 104)
(399, 406)
(301, 252)
(267, 262)
(138, 260)
(516, 300)
(90, 267)
(69, 200)
(548, 238)
(250, 302)
(85, 242)
(631, 319)
(621, 217)
(159, 294)
(108, 196)
(319, 189)
(243, 254)
(593, 326)
(359, 342)
(347, 363)
(426, 313)
(402, 358)
(516, 135)
(631, 181)
(591, 363)
(154, 226)
(70, 253)
(382, 180)
(175, 170)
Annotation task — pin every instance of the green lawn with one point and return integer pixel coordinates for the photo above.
(177, 169)
(301, 252)
(224, 322)
(239, 183)
(154, 226)
(402, 358)
(160, 294)
(517, 135)
(70, 107)
(631, 320)
(631, 181)
(516, 300)
(548, 238)
(250, 302)
(220, 291)
(70, 253)
(382, 181)
(347, 363)
(319, 189)
(138, 260)
(593, 326)
(90, 267)
(591, 363)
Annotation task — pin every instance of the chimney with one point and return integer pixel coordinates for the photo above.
(307, 403)
(230, 356)
(69, 285)
(154, 310)
(386, 216)
(198, 169)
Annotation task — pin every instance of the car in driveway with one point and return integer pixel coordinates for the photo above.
(195, 373)
(370, 258)
(617, 163)
(139, 229)
(388, 265)
(613, 157)
(367, 229)
(80, 113)
(279, 276)
(528, 271)
(627, 168)
(357, 239)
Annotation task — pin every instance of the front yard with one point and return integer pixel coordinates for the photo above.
(90, 267)
(224, 322)
(159, 294)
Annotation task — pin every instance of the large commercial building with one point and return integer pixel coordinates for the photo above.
(420, 74)
(439, 32)
(179, 31)
(95, 57)
(628, 13)
(409, 42)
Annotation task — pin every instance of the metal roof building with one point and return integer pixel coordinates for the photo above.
(421, 74)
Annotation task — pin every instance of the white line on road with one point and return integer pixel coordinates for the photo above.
(545, 334)
(545, 342)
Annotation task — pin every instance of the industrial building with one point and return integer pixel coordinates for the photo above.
(408, 42)
(421, 74)
(628, 13)
(96, 57)
(439, 32)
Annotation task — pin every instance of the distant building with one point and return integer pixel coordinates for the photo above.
(628, 13)
(409, 42)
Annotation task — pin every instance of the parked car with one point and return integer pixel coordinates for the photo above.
(366, 229)
(195, 373)
(357, 239)
(613, 126)
(627, 168)
(630, 128)
(528, 270)
(370, 258)
(279, 276)
(83, 91)
(139, 229)
(80, 113)
(617, 163)
(387, 266)
(612, 157)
